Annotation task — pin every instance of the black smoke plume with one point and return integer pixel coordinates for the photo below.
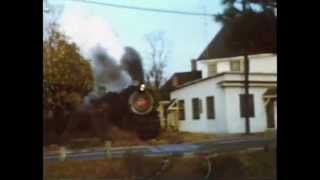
(109, 73)
(115, 77)
(131, 61)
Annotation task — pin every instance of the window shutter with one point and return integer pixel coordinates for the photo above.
(195, 108)
(181, 109)
(251, 106)
(243, 105)
(210, 107)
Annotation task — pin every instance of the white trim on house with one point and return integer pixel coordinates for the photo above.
(269, 96)
(173, 105)
(164, 102)
(256, 56)
(234, 76)
(251, 84)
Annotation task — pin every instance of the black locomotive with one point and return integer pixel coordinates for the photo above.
(133, 109)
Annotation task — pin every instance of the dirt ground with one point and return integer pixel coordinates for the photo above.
(253, 165)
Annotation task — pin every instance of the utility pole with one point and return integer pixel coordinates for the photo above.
(246, 92)
(246, 77)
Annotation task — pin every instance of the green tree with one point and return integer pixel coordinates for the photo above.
(246, 16)
(67, 76)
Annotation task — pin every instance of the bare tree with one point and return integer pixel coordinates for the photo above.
(158, 54)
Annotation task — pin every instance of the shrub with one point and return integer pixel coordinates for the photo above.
(269, 133)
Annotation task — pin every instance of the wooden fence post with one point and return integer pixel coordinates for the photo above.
(108, 153)
(62, 154)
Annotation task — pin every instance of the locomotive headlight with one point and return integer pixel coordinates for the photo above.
(142, 87)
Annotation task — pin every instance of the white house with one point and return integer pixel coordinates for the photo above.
(215, 102)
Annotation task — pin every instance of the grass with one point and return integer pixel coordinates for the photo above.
(257, 164)
(175, 137)
(269, 133)
(225, 167)
(121, 168)
(260, 163)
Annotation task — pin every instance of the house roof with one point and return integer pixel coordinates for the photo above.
(226, 43)
(182, 77)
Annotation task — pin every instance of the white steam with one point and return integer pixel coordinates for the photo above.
(97, 40)
(88, 31)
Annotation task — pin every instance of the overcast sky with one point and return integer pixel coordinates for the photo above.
(114, 28)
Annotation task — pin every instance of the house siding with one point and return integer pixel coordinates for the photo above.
(227, 107)
(263, 64)
(236, 124)
(202, 90)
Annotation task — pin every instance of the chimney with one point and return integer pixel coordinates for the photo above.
(193, 65)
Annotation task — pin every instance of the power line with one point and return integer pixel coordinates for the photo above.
(143, 9)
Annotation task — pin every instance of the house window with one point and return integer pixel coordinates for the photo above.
(210, 107)
(212, 69)
(235, 66)
(181, 110)
(196, 108)
(243, 105)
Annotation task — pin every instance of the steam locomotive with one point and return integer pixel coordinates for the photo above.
(133, 109)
